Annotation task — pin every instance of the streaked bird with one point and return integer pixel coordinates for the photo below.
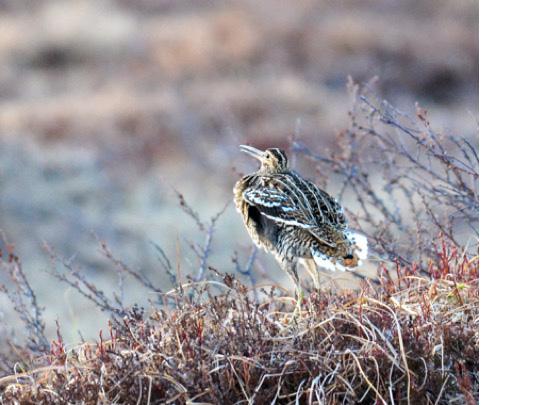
(295, 220)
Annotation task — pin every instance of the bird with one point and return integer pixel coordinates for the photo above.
(296, 221)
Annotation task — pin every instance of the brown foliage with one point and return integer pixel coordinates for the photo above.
(408, 336)
(407, 339)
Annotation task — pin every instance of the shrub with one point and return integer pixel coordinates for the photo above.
(409, 339)
(410, 335)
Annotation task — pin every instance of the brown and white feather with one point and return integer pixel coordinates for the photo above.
(294, 219)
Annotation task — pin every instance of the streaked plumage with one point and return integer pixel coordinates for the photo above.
(295, 220)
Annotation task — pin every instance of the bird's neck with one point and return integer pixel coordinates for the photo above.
(270, 172)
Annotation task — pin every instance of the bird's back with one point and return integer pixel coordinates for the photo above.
(286, 201)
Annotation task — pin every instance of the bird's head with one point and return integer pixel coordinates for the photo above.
(273, 160)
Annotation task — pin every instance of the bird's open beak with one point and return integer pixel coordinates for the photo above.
(254, 152)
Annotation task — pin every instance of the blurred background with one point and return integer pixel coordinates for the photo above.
(107, 106)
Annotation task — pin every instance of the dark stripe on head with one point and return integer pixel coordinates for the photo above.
(280, 156)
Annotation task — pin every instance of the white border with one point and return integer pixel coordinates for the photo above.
(512, 138)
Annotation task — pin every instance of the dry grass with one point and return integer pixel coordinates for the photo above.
(409, 336)
(99, 99)
(403, 339)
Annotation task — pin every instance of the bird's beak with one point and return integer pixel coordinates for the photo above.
(253, 152)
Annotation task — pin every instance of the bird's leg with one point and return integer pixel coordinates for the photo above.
(310, 266)
(291, 269)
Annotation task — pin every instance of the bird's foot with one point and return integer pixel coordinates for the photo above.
(297, 312)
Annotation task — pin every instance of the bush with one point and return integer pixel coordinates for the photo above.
(411, 339)
(410, 335)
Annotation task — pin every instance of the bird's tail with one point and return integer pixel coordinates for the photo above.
(359, 242)
(359, 251)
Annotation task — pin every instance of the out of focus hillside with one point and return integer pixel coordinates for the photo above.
(106, 106)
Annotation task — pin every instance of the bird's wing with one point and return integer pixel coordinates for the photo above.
(292, 200)
(332, 210)
(278, 205)
(283, 208)
(326, 213)
(324, 234)
(323, 208)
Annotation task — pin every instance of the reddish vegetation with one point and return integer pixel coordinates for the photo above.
(410, 335)
(405, 339)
